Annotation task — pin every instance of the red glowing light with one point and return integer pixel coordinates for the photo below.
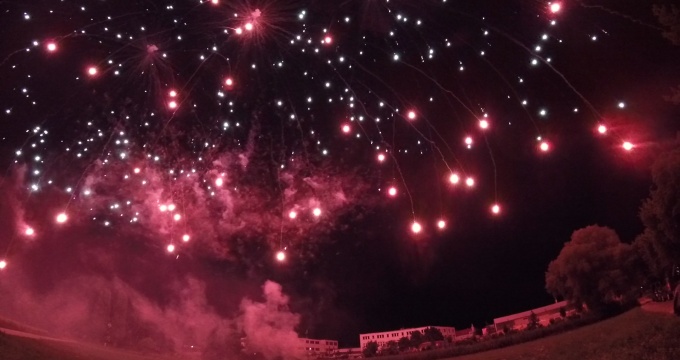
(92, 71)
(280, 256)
(219, 182)
(328, 40)
(171, 248)
(172, 104)
(229, 82)
(468, 141)
(186, 238)
(61, 218)
(3, 264)
(171, 207)
(470, 182)
(628, 146)
(51, 47)
(441, 224)
(249, 26)
(137, 170)
(316, 212)
(454, 178)
(416, 227)
(392, 191)
(177, 217)
(496, 209)
(602, 129)
(545, 146)
(172, 93)
(292, 214)
(163, 208)
(239, 31)
(29, 231)
(555, 7)
(381, 157)
(215, 2)
(483, 124)
(346, 129)
(411, 115)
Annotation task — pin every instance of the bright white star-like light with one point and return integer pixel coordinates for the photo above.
(62, 218)
(281, 256)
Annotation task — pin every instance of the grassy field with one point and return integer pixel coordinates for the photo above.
(19, 348)
(634, 335)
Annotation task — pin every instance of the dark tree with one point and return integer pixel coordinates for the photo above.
(669, 18)
(593, 268)
(371, 349)
(534, 321)
(432, 334)
(391, 348)
(660, 213)
(416, 339)
(404, 343)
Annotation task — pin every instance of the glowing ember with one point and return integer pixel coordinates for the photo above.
(61, 218)
(470, 182)
(454, 178)
(3, 264)
(416, 227)
(172, 93)
(628, 146)
(280, 256)
(496, 209)
(171, 207)
(392, 191)
(177, 217)
(483, 124)
(172, 104)
(186, 238)
(602, 129)
(411, 115)
(51, 47)
(171, 248)
(137, 170)
(29, 231)
(381, 157)
(441, 224)
(328, 40)
(229, 82)
(249, 26)
(316, 212)
(163, 208)
(219, 182)
(544, 146)
(555, 7)
(292, 214)
(346, 129)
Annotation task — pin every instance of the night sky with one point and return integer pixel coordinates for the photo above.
(190, 144)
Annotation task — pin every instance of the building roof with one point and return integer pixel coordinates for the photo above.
(536, 311)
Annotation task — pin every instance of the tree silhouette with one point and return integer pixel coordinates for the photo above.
(593, 268)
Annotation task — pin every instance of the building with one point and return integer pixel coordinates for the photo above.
(519, 321)
(318, 347)
(382, 338)
(349, 353)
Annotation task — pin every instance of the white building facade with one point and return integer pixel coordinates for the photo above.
(318, 347)
(382, 338)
